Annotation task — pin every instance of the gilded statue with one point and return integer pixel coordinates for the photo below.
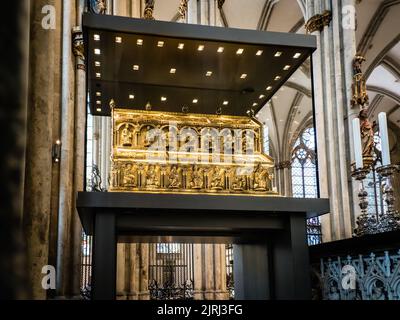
(183, 8)
(151, 177)
(260, 179)
(196, 178)
(148, 10)
(130, 175)
(174, 179)
(239, 182)
(126, 137)
(367, 134)
(360, 95)
(217, 178)
(357, 64)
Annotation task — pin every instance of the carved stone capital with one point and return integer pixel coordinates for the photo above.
(283, 165)
(183, 6)
(77, 43)
(318, 22)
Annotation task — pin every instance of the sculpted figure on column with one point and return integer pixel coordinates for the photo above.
(367, 134)
(148, 10)
(360, 95)
(98, 6)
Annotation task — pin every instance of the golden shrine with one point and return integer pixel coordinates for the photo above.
(190, 153)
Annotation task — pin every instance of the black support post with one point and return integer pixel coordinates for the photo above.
(290, 261)
(104, 257)
(251, 272)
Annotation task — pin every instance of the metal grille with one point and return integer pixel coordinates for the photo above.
(171, 272)
(86, 266)
(229, 271)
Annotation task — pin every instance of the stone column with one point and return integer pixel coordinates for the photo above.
(37, 193)
(284, 178)
(56, 110)
(331, 101)
(13, 122)
(66, 198)
(79, 145)
(349, 52)
(144, 272)
(121, 268)
(121, 8)
(197, 269)
(136, 7)
(192, 11)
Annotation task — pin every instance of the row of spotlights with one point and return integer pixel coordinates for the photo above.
(201, 47)
(163, 99)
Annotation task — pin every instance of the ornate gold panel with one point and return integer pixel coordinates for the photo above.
(190, 153)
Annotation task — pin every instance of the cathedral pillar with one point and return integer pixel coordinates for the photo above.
(197, 265)
(13, 123)
(79, 144)
(66, 184)
(144, 272)
(122, 8)
(38, 174)
(192, 12)
(331, 75)
(121, 272)
(284, 178)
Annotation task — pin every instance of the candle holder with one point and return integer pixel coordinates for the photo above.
(366, 224)
(389, 220)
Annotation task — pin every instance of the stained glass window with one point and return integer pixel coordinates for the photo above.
(304, 178)
(266, 140)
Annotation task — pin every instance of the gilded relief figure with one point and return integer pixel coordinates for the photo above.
(228, 144)
(169, 141)
(149, 136)
(174, 179)
(367, 134)
(260, 179)
(239, 183)
(197, 178)
(217, 178)
(130, 175)
(151, 177)
(126, 136)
